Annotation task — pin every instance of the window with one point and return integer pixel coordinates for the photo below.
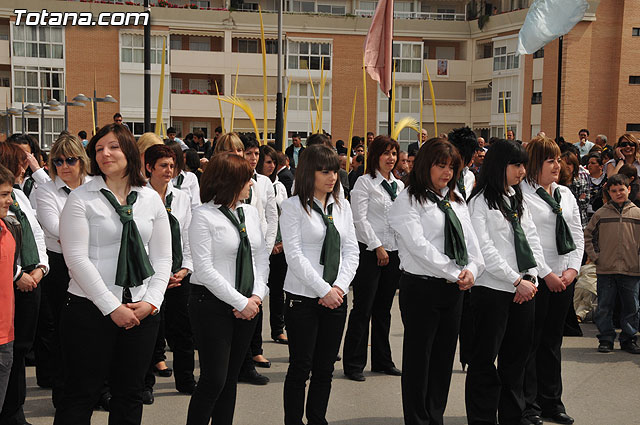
(369, 5)
(507, 99)
(248, 46)
(5, 82)
(32, 126)
(484, 50)
(536, 98)
(176, 42)
(176, 84)
(406, 136)
(404, 7)
(202, 3)
(539, 54)
(32, 81)
(331, 9)
(199, 84)
(502, 60)
(305, 55)
(178, 126)
(137, 127)
(408, 57)
(52, 129)
(482, 94)
(201, 44)
(407, 100)
(448, 14)
(499, 131)
(301, 97)
(634, 79)
(635, 32)
(38, 42)
(304, 6)
(633, 127)
(132, 49)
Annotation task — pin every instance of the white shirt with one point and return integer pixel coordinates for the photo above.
(495, 236)
(545, 221)
(182, 144)
(303, 234)
(190, 186)
(371, 205)
(51, 198)
(181, 210)
(39, 177)
(584, 150)
(263, 198)
(90, 234)
(280, 191)
(420, 229)
(38, 234)
(215, 240)
(469, 182)
(613, 162)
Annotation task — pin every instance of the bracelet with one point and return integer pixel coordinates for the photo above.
(517, 284)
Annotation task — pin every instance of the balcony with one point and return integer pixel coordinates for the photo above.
(226, 63)
(206, 106)
(4, 52)
(418, 15)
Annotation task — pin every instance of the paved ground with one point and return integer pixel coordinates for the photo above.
(598, 389)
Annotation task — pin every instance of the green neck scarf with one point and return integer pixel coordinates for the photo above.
(564, 240)
(278, 233)
(27, 188)
(391, 189)
(133, 262)
(29, 256)
(176, 242)
(455, 246)
(330, 256)
(244, 263)
(66, 190)
(461, 188)
(179, 181)
(524, 255)
(248, 200)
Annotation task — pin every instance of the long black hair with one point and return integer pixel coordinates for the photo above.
(493, 179)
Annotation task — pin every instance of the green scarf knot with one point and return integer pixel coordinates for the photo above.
(330, 255)
(524, 254)
(455, 246)
(244, 262)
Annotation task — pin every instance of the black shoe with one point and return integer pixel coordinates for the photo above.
(280, 339)
(186, 388)
(165, 373)
(265, 365)
(560, 418)
(253, 378)
(393, 371)
(355, 376)
(630, 347)
(534, 420)
(147, 397)
(605, 347)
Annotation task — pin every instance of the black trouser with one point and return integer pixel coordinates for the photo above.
(373, 290)
(503, 329)
(255, 346)
(466, 329)
(96, 350)
(314, 335)
(277, 273)
(158, 351)
(178, 333)
(27, 305)
(543, 377)
(431, 310)
(222, 342)
(54, 285)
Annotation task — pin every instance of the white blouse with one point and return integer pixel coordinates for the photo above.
(38, 234)
(40, 177)
(215, 242)
(263, 198)
(371, 206)
(420, 229)
(190, 186)
(469, 182)
(303, 233)
(495, 236)
(90, 234)
(280, 191)
(181, 210)
(50, 198)
(545, 221)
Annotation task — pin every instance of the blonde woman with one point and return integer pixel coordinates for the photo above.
(624, 152)
(145, 141)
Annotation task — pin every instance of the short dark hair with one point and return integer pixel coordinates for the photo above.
(129, 149)
(584, 130)
(27, 139)
(571, 158)
(6, 176)
(437, 151)
(82, 134)
(218, 129)
(177, 150)
(379, 145)
(318, 139)
(191, 159)
(199, 134)
(597, 156)
(466, 141)
(630, 171)
(224, 178)
(12, 157)
(315, 158)
(249, 143)
(617, 179)
(370, 133)
(360, 159)
(117, 115)
(154, 153)
(266, 150)
(171, 130)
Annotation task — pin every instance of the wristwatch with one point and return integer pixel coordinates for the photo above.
(530, 278)
(154, 310)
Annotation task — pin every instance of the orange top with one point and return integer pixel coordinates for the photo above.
(7, 306)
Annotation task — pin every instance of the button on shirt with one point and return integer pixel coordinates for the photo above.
(90, 234)
(545, 221)
(38, 234)
(303, 233)
(371, 205)
(190, 186)
(51, 198)
(216, 240)
(495, 236)
(420, 229)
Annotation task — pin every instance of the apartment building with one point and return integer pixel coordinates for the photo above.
(467, 46)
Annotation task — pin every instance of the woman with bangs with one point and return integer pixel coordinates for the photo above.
(321, 250)
(556, 216)
(376, 280)
(228, 285)
(68, 167)
(502, 297)
(229, 142)
(439, 258)
(116, 241)
(625, 151)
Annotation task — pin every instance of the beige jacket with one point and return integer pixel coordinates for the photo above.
(612, 240)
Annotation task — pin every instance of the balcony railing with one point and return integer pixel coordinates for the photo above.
(419, 15)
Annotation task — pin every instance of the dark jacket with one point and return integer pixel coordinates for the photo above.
(13, 225)
(289, 153)
(286, 178)
(413, 147)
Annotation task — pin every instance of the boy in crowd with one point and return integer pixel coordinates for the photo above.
(610, 238)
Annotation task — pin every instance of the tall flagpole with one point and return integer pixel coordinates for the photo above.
(389, 114)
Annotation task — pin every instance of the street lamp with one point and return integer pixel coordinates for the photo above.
(66, 104)
(82, 98)
(8, 112)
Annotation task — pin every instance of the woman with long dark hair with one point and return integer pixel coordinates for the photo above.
(321, 249)
(228, 284)
(116, 241)
(502, 297)
(556, 216)
(376, 280)
(440, 258)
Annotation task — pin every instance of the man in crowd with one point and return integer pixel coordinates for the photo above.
(415, 146)
(171, 135)
(584, 145)
(294, 151)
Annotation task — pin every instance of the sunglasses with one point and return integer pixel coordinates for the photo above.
(625, 144)
(71, 161)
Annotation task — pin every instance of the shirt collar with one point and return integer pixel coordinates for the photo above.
(59, 183)
(97, 183)
(392, 178)
(330, 201)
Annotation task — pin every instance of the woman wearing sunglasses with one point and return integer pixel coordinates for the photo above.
(68, 166)
(625, 152)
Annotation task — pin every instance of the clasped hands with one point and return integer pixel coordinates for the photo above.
(131, 314)
(465, 280)
(251, 309)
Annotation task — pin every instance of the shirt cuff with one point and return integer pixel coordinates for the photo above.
(107, 303)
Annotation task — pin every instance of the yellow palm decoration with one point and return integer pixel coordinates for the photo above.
(242, 104)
